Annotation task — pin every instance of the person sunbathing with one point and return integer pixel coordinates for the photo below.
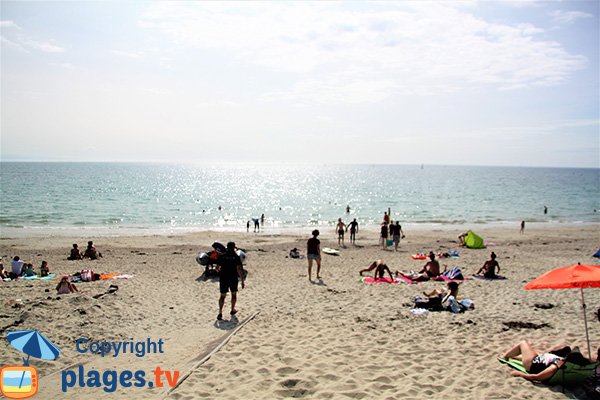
(437, 299)
(450, 290)
(540, 367)
(489, 267)
(91, 252)
(44, 270)
(461, 239)
(29, 270)
(431, 270)
(3, 272)
(75, 254)
(65, 286)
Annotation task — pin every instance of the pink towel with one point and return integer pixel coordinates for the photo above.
(385, 279)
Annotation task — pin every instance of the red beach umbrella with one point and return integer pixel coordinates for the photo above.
(571, 277)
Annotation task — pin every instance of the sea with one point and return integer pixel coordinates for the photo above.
(116, 199)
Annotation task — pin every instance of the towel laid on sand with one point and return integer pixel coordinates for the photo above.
(385, 279)
(38, 277)
(479, 276)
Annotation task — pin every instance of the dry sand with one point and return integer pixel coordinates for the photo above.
(338, 338)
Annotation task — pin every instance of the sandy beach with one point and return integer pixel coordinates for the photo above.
(334, 339)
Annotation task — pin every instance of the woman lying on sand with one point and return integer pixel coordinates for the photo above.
(438, 299)
(540, 367)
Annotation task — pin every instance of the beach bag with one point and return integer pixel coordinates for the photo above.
(455, 274)
(87, 275)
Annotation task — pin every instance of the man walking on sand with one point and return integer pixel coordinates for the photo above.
(230, 269)
(313, 252)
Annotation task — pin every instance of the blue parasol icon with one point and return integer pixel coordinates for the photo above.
(34, 344)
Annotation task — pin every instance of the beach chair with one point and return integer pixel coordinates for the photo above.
(570, 374)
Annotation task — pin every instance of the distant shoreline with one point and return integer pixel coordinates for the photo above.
(40, 232)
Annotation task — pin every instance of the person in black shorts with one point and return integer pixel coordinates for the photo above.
(353, 229)
(340, 228)
(230, 269)
(313, 252)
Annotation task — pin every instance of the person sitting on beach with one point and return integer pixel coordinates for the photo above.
(29, 270)
(91, 252)
(65, 286)
(340, 228)
(3, 272)
(44, 270)
(431, 270)
(294, 253)
(17, 267)
(461, 239)
(75, 254)
(489, 267)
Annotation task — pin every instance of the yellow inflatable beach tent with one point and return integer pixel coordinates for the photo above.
(473, 241)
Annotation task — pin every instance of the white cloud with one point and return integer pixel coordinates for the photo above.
(340, 55)
(9, 24)
(15, 45)
(44, 46)
(24, 41)
(567, 17)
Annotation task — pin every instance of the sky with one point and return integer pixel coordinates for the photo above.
(508, 83)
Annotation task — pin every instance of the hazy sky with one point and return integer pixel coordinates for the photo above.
(408, 82)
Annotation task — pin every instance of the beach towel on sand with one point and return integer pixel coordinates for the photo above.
(479, 276)
(115, 276)
(38, 277)
(385, 279)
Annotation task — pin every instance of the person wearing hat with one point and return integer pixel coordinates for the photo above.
(313, 252)
(230, 268)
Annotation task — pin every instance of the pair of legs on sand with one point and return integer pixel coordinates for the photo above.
(312, 257)
(222, 303)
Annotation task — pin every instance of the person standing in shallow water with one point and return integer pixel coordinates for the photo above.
(340, 229)
(313, 252)
(522, 227)
(353, 230)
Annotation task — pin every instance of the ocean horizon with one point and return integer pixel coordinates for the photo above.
(114, 198)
